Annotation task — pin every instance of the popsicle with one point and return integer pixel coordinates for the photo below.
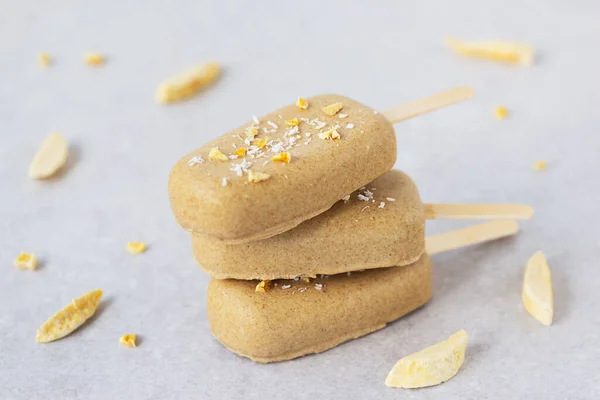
(273, 173)
(380, 225)
(292, 318)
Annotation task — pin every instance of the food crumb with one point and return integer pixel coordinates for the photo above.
(286, 286)
(332, 109)
(26, 261)
(292, 122)
(540, 165)
(45, 59)
(381, 205)
(224, 182)
(263, 286)
(501, 112)
(254, 177)
(302, 103)
(136, 247)
(215, 154)
(94, 59)
(128, 340)
(282, 157)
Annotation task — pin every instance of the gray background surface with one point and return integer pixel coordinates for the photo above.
(381, 53)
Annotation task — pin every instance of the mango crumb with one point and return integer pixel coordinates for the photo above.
(282, 157)
(241, 152)
(251, 132)
(330, 134)
(292, 122)
(128, 340)
(255, 177)
(94, 59)
(332, 109)
(537, 289)
(215, 154)
(540, 165)
(302, 103)
(45, 59)
(136, 247)
(260, 143)
(501, 112)
(26, 261)
(263, 286)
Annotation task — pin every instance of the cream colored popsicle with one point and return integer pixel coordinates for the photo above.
(380, 225)
(273, 173)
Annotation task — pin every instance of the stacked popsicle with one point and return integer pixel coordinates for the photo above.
(310, 237)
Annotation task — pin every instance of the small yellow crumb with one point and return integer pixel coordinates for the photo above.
(263, 286)
(333, 109)
(255, 177)
(251, 132)
(94, 59)
(241, 152)
(26, 261)
(501, 112)
(188, 83)
(136, 247)
(306, 279)
(302, 103)
(69, 318)
(260, 143)
(44, 59)
(331, 134)
(540, 165)
(282, 157)
(293, 122)
(495, 50)
(128, 340)
(215, 154)
(346, 198)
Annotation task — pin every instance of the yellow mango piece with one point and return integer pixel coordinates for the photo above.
(282, 157)
(292, 122)
(241, 152)
(332, 109)
(263, 286)
(501, 112)
(128, 340)
(215, 154)
(50, 157)
(255, 177)
(69, 318)
(260, 143)
(495, 50)
(188, 83)
(136, 247)
(537, 289)
(540, 165)
(26, 261)
(94, 59)
(430, 366)
(301, 103)
(45, 59)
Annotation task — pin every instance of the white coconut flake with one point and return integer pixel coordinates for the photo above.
(318, 286)
(241, 168)
(273, 124)
(348, 273)
(302, 289)
(349, 126)
(233, 156)
(256, 121)
(286, 286)
(342, 115)
(346, 198)
(390, 199)
(195, 161)
(381, 205)
(224, 182)
(364, 208)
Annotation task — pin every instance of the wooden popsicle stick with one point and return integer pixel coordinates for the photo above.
(477, 211)
(471, 235)
(428, 104)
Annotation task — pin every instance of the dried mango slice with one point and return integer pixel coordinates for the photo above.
(188, 83)
(537, 289)
(241, 152)
(333, 109)
(215, 154)
(136, 247)
(282, 157)
(94, 59)
(430, 366)
(255, 177)
(26, 261)
(501, 112)
(50, 157)
(301, 103)
(128, 340)
(540, 165)
(69, 318)
(496, 50)
(263, 286)
(292, 122)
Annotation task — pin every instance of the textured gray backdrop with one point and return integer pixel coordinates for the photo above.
(381, 53)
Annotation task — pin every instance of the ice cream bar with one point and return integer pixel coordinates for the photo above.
(379, 225)
(271, 174)
(296, 318)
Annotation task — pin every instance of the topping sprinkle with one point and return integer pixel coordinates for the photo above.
(292, 122)
(263, 286)
(255, 177)
(331, 134)
(332, 109)
(282, 157)
(215, 154)
(251, 132)
(301, 103)
(26, 261)
(260, 143)
(195, 161)
(241, 152)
